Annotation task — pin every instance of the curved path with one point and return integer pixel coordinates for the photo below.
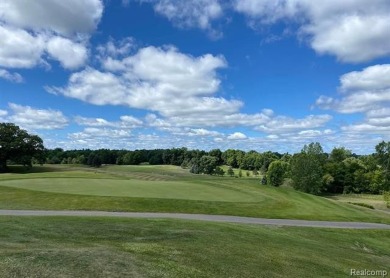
(201, 217)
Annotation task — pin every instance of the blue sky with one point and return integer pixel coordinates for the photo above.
(248, 74)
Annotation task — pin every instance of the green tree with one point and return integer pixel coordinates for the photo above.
(230, 171)
(207, 164)
(17, 145)
(339, 154)
(383, 156)
(307, 169)
(276, 172)
(219, 171)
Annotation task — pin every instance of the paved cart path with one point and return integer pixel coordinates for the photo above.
(201, 217)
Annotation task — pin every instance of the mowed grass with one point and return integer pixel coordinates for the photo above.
(108, 247)
(168, 189)
(133, 188)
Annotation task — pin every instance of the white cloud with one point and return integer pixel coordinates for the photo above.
(64, 17)
(190, 13)
(20, 49)
(36, 119)
(3, 113)
(13, 77)
(158, 79)
(282, 124)
(237, 136)
(367, 92)
(29, 30)
(95, 133)
(116, 48)
(362, 91)
(203, 132)
(371, 78)
(334, 27)
(125, 122)
(130, 121)
(71, 55)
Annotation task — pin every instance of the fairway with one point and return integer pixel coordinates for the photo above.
(133, 188)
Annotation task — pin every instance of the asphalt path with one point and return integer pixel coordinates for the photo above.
(200, 217)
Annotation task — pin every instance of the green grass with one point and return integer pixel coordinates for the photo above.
(167, 189)
(133, 188)
(108, 247)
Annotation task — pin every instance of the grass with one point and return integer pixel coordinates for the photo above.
(372, 201)
(167, 189)
(107, 247)
(133, 188)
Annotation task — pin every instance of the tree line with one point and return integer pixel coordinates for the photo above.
(311, 170)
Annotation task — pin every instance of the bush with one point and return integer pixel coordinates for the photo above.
(386, 196)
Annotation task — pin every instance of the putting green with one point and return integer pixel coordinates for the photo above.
(134, 188)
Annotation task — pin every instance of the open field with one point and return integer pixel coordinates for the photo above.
(167, 189)
(107, 247)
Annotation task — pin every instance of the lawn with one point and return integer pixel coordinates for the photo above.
(107, 247)
(167, 189)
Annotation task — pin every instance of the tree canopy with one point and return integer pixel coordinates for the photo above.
(17, 145)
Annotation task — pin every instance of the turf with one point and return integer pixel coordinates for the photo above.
(167, 189)
(106, 247)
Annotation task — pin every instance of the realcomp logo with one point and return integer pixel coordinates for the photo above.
(368, 272)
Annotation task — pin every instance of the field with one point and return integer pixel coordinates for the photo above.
(112, 247)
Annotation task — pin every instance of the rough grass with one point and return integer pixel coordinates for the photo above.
(183, 192)
(370, 200)
(107, 247)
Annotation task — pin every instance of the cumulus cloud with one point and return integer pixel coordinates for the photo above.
(19, 48)
(190, 13)
(203, 132)
(158, 79)
(71, 55)
(30, 30)
(13, 77)
(362, 91)
(36, 119)
(368, 92)
(237, 136)
(334, 27)
(64, 17)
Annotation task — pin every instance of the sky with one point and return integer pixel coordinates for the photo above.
(203, 74)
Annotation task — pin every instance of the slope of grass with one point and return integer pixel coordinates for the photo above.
(376, 201)
(104, 247)
(182, 192)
